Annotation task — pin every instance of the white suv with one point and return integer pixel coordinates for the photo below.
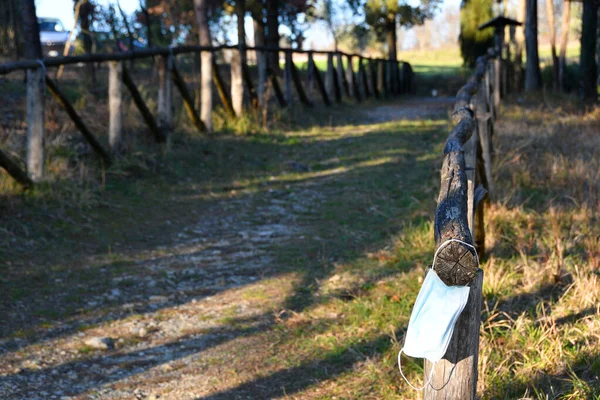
(53, 36)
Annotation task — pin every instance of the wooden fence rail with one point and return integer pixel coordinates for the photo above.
(465, 182)
(341, 80)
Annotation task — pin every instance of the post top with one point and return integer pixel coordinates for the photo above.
(499, 22)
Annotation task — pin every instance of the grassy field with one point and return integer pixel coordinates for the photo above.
(283, 263)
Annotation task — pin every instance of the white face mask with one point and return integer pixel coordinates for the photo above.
(433, 317)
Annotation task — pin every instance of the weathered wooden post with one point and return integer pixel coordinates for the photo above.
(237, 82)
(206, 98)
(351, 79)
(388, 78)
(287, 77)
(319, 81)
(381, 87)
(330, 83)
(13, 170)
(142, 107)
(35, 123)
(298, 85)
(310, 73)
(188, 103)
(499, 24)
(221, 91)
(81, 126)
(165, 95)
(341, 76)
(455, 375)
(261, 65)
(363, 79)
(115, 104)
(373, 77)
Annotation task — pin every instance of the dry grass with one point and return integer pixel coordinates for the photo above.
(542, 285)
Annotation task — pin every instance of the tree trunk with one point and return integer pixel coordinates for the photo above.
(390, 36)
(552, 31)
(86, 11)
(148, 24)
(206, 61)
(564, 38)
(587, 60)
(520, 45)
(533, 77)
(272, 34)
(129, 33)
(261, 59)
(31, 31)
(240, 12)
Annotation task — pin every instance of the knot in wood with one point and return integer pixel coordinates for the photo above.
(462, 113)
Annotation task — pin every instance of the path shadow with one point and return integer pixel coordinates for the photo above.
(41, 287)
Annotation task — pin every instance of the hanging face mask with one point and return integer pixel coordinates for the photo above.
(433, 317)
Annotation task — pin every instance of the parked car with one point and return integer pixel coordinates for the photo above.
(53, 36)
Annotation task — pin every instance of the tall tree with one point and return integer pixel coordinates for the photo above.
(587, 59)
(206, 62)
(294, 15)
(473, 42)
(564, 39)
(272, 32)
(31, 30)
(520, 44)
(533, 77)
(385, 15)
(552, 33)
(326, 12)
(11, 35)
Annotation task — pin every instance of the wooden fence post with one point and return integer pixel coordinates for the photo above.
(276, 88)
(81, 126)
(115, 104)
(237, 82)
(165, 95)
(351, 78)
(373, 77)
(220, 86)
(310, 73)
(35, 123)
(13, 170)
(261, 65)
(188, 102)
(330, 77)
(388, 78)
(298, 84)
(455, 375)
(206, 100)
(319, 81)
(287, 77)
(381, 87)
(497, 81)
(142, 107)
(364, 80)
(341, 76)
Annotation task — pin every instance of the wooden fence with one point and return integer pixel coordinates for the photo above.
(367, 77)
(465, 181)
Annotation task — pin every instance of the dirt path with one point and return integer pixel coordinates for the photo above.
(205, 288)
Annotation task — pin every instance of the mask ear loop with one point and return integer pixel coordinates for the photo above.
(410, 384)
(446, 243)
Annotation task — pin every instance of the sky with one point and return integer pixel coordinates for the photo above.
(63, 10)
